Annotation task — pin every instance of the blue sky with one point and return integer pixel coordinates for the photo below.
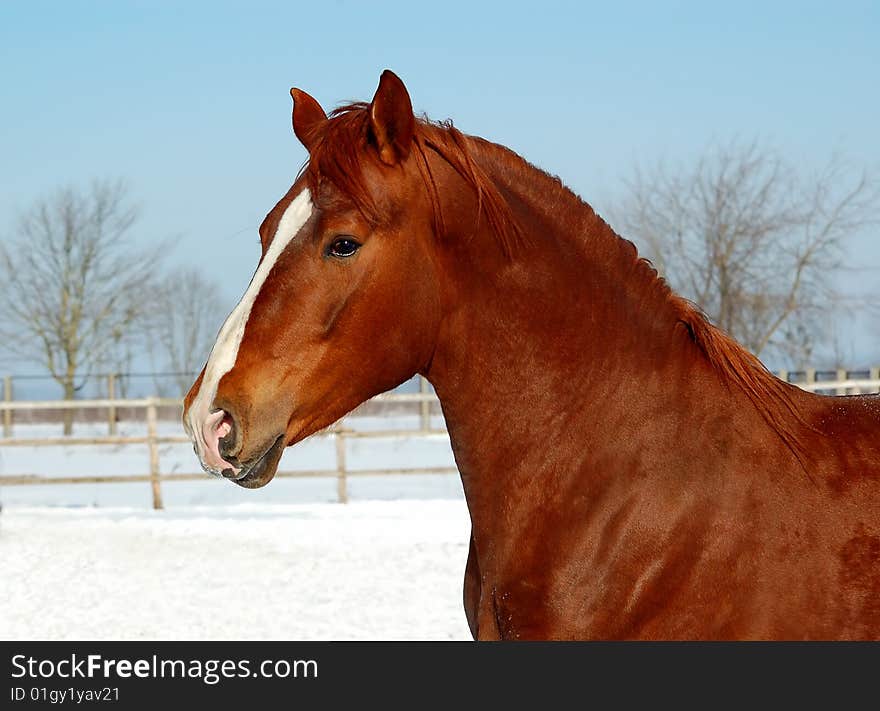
(189, 102)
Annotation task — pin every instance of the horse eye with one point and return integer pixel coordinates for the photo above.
(343, 247)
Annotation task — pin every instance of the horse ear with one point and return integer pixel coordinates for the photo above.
(391, 119)
(308, 117)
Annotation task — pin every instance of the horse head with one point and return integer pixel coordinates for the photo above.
(344, 303)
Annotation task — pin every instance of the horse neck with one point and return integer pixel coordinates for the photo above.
(533, 349)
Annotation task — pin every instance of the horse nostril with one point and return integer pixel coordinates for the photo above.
(227, 436)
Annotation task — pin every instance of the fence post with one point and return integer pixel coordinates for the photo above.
(811, 378)
(841, 375)
(341, 483)
(152, 417)
(782, 375)
(425, 408)
(111, 411)
(7, 414)
(875, 375)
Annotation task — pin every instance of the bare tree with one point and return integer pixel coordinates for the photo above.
(74, 283)
(754, 245)
(188, 313)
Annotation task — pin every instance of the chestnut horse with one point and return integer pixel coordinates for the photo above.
(630, 470)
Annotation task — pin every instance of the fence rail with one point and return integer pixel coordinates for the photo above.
(845, 383)
(153, 440)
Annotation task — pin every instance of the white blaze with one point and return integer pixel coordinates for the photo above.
(225, 350)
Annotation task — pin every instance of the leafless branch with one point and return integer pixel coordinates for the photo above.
(755, 244)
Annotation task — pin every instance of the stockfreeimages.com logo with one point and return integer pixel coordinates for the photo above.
(210, 671)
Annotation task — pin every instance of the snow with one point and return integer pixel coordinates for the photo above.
(363, 570)
(93, 561)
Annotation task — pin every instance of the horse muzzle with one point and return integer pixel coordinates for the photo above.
(217, 442)
(260, 471)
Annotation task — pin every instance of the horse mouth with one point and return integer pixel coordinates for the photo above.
(260, 471)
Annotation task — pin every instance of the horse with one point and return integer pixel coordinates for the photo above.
(631, 472)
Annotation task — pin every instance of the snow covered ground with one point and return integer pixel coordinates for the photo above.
(93, 561)
(364, 570)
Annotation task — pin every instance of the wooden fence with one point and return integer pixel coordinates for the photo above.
(840, 382)
(846, 382)
(153, 439)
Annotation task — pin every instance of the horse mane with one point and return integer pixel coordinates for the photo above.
(339, 155)
(739, 368)
(736, 366)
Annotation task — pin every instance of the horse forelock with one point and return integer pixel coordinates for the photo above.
(342, 151)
